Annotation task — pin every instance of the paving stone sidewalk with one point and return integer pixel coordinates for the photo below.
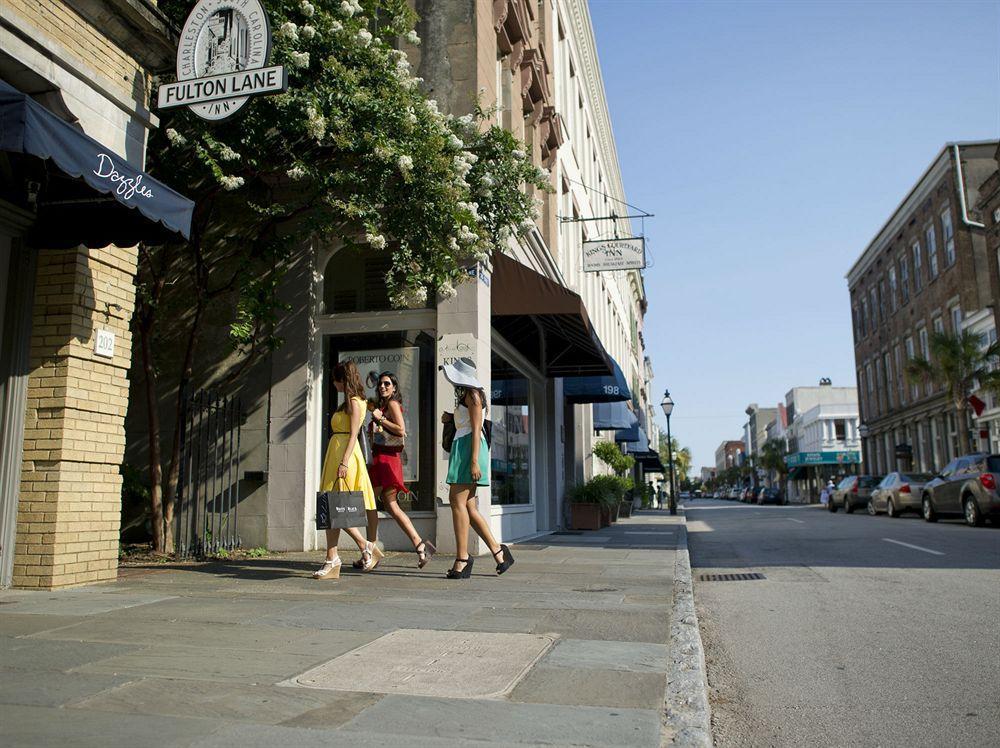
(570, 647)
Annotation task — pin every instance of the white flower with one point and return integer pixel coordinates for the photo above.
(411, 37)
(364, 36)
(300, 59)
(526, 225)
(453, 244)
(488, 180)
(288, 30)
(356, 6)
(175, 137)
(336, 26)
(410, 297)
(347, 8)
(296, 172)
(519, 155)
(231, 183)
(308, 32)
(466, 235)
(454, 141)
(405, 163)
(307, 8)
(447, 291)
(376, 241)
(315, 123)
(471, 157)
(228, 154)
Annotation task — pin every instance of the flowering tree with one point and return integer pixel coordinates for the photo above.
(352, 153)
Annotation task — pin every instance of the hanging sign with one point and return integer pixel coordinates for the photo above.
(614, 254)
(222, 60)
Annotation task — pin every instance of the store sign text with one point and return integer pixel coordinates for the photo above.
(126, 187)
(614, 254)
(248, 83)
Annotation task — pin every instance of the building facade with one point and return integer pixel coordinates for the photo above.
(823, 442)
(755, 429)
(927, 270)
(728, 454)
(74, 97)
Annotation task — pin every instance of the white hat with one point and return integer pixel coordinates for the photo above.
(462, 373)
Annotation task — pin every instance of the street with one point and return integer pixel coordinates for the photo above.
(864, 631)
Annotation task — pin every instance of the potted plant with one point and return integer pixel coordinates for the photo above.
(585, 507)
(609, 489)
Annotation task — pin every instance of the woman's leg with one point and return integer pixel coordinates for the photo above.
(355, 534)
(392, 506)
(372, 517)
(332, 539)
(480, 525)
(458, 496)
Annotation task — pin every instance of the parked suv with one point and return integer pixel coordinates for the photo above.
(898, 493)
(771, 495)
(968, 487)
(853, 492)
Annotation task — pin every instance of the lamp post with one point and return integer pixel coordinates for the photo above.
(668, 407)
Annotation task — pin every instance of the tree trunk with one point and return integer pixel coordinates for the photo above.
(146, 322)
(962, 424)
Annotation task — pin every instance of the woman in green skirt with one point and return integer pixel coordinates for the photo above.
(468, 468)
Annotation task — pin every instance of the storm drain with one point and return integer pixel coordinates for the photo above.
(742, 577)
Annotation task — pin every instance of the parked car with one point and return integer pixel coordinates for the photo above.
(853, 492)
(968, 487)
(733, 493)
(771, 495)
(898, 493)
(747, 495)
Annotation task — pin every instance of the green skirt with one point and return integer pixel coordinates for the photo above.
(460, 462)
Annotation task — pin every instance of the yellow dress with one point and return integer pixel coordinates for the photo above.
(357, 471)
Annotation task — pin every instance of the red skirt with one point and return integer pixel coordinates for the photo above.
(386, 471)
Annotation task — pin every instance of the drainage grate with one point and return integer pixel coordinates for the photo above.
(745, 577)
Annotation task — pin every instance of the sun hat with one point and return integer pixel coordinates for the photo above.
(462, 373)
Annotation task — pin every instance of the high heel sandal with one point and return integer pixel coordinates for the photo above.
(371, 557)
(466, 571)
(506, 559)
(329, 570)
(423, 556)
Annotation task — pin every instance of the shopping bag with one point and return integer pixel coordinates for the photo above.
(448, 433)
(340, 508)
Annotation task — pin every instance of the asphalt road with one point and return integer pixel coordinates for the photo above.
(866, 631)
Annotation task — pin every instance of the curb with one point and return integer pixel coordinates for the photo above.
(687, 714)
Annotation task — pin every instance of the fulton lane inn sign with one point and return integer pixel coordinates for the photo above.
(614, 254)
(222, 60)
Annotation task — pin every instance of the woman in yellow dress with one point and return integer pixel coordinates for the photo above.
(344, 469)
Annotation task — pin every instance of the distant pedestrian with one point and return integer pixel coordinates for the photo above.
(344, 470)
(468, 468)
(827, 493)
(386, 468)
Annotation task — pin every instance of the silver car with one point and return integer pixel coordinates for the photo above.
(898, 493)
(969, 486)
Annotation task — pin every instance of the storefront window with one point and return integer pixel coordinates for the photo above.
(510, 451)
(410, 356)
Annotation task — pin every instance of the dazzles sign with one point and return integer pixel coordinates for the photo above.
(125, 186)
(222, 60)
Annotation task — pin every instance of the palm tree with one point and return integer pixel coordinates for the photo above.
(957, 364)
(772, 457)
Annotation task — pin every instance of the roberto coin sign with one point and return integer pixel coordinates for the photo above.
(614, 254)
(222, 60)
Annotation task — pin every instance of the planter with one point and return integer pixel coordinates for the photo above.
(608, 515)
(625, 509)
(585, 516)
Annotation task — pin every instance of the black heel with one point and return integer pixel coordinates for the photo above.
(506, 559)
(466, 571)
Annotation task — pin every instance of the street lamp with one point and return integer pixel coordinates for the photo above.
(668, 407)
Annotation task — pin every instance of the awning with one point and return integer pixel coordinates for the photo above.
(650, 462)
(639, 445)
(607, 389)
(630, 434)
(86, 193)
(547, 322)
(798, 473)
(613, 416)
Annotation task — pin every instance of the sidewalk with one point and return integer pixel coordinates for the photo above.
(570, 647)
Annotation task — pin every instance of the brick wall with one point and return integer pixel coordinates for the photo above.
(70, 503)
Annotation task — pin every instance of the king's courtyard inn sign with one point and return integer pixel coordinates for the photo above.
(222, 60)
(614, 254)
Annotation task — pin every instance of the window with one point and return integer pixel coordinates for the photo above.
(840, 430)
(889, 385)
(956, 319)
(892, 289)
(910, 355)
(865, 317)
(871, 380)
(938, 325)
(881, 299)
(918, 267)
(932, 259)
(904, 278)
(510, 448)
(899, 376)
(873, 320)
(948, 230)
(924, 352)
(856, 321)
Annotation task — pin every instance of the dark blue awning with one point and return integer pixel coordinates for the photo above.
(69, 212)
(637, 446)
(613, 416)
(608, 389)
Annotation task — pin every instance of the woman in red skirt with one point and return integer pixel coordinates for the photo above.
(386, 468)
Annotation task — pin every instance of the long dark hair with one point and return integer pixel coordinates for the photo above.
(461, 392)
(347, 373)
(383, 403)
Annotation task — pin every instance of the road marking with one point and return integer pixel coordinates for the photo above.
(801, 522)
(914, 547)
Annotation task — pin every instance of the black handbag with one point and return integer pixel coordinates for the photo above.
(448, 433)
(340, 509)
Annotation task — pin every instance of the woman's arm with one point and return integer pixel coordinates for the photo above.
(393, 420)
(475, 406)
(357, 415)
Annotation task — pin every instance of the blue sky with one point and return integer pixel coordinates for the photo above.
(772, 140)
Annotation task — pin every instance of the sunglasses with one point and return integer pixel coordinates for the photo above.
(385, 384)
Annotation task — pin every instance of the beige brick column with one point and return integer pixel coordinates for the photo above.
(70, 504)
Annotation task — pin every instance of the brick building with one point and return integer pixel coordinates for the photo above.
(74, 84)
(727, 454)
(926, 270)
